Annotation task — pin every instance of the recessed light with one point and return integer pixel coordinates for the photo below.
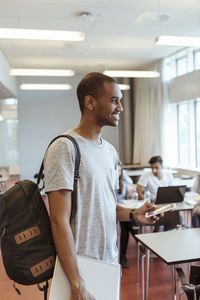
(41, 72)
(178, 41)
(124, 87)
(35, 34)
(45, 86)
(132, 74)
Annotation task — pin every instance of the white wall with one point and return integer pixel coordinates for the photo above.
(42, 116)
(7, 81)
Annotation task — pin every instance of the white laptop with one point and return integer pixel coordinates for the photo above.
(102, 280)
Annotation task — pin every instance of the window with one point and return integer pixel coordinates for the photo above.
(183, 117)
(197, 60)
(168, 71)
(186, 134)
(181, 66)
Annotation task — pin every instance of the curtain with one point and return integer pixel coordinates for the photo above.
(126, 125)
(150, 104)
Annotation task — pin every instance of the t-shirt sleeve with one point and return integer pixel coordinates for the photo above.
(59, 166)
(143, 180)
(171, 179)
(127, 178)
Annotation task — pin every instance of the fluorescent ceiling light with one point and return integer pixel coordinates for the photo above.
(178, 41)
(124, 87)
(134, 74)
(35, 34)
(41, 72)
(45, 86)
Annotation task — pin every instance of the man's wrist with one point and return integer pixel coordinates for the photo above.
(133, 216)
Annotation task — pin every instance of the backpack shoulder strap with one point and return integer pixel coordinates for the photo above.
(76, 170)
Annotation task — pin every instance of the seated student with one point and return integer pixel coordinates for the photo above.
(154, 179)
(125, 192)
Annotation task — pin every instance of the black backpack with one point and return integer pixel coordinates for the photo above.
(27, 246)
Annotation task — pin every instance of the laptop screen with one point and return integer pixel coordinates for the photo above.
(170, 194)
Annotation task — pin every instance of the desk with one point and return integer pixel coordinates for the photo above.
(181, 181)
(173, 247)
(180, 206)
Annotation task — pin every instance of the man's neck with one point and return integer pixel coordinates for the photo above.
(89, 132)
(159, 176)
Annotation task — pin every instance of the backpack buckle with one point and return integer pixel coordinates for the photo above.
(76, 175)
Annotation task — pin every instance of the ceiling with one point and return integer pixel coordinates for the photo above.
(117, 37)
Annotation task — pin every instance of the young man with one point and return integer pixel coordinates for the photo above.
(154, 179)
(93, 230)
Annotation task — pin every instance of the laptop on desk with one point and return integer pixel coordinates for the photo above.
(170, 194)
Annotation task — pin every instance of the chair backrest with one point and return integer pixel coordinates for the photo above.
(170, 219)
(195, 275)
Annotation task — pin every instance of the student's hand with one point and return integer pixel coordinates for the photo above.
(81, 293)
(139, 214)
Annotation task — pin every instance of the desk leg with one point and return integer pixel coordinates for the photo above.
(147, 273)
(143, 280)
(174, 281)
(138, 262)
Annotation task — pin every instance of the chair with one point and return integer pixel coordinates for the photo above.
(171, 220)
(191, 288)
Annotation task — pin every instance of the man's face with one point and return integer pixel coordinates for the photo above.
(108, 105)
(156, 169)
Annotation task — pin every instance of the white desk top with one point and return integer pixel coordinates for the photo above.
(174, 246)
(179, 205)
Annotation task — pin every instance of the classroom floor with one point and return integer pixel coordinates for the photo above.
(160, 286)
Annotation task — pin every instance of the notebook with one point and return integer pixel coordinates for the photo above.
(170, 194)
(102, 280)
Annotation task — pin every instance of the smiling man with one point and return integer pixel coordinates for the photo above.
(93, 230)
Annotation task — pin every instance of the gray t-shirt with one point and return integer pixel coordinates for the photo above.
(94, 227)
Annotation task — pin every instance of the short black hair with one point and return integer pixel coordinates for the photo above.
(91, 84)
(156, 159)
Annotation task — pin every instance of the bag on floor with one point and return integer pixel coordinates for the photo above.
(27, 246)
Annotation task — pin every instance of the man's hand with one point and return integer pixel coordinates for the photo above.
(139, 214)
(80, 293)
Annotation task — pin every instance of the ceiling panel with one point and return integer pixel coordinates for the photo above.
(115, 34)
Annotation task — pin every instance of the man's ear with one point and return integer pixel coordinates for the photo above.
(89, 102)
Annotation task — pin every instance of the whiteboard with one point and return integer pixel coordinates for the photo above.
(102, 280)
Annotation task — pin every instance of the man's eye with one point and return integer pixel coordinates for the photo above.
(114, 101)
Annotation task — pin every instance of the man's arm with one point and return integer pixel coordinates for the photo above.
(140, 189)
(60, 209)
(138, 214)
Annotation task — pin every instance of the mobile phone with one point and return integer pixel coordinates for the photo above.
(160, 210)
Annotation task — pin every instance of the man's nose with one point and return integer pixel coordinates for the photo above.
(119, 107)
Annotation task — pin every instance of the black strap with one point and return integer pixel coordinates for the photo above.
(76, 172)
(188, 289)
(44, 289)
(182, 277)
